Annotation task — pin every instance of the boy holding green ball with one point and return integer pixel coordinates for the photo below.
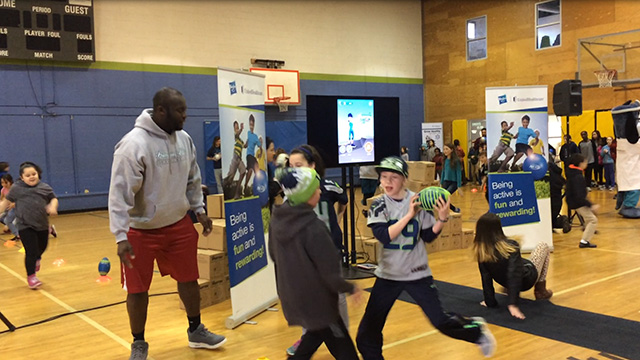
(398, 223)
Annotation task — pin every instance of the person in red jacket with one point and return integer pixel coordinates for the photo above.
(439, 160)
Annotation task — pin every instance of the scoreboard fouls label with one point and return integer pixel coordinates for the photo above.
(59, 30)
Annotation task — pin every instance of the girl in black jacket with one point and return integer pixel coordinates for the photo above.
(499, 259)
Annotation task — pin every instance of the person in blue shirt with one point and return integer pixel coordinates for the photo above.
(351, 133)
(252, 163)
(451, 178)
(522, 141)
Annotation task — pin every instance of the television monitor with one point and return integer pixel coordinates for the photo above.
(355, 131)
(364, 138)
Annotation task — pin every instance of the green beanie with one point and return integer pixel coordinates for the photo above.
(298, 184)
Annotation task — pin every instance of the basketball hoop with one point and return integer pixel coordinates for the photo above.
(282, 105)
(605, 77)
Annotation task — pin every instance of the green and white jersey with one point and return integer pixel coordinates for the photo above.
(405, 257)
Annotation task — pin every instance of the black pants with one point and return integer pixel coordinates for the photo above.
(424, 292)
(35, 243)
(588, 174)
(556, 206)
(335, 337)
(598, 173)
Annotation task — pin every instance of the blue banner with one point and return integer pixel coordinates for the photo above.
(512, 197)
(245, 239)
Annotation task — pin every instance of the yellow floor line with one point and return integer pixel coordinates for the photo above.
(409, 339)
(71, 309)
(561, 292)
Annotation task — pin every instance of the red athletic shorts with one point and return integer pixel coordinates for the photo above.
(174, 248)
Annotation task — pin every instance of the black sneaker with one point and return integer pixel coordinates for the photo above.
(587, 245)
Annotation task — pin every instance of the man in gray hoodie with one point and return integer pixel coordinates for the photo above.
(155, 180)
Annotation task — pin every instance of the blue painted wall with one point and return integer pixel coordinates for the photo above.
(68, 120)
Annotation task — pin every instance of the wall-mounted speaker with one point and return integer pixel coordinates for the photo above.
(567, 98)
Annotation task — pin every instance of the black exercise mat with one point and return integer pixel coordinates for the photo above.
(581, 328)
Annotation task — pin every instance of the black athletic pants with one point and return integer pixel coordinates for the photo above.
(35, 243)
(424, 292)
(556, 206)
(335, 337)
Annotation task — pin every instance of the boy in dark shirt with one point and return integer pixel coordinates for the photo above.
(576, 196)
(307, 273)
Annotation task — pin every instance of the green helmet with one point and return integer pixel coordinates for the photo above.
(394, 164)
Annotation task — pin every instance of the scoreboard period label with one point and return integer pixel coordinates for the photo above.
(59, 30)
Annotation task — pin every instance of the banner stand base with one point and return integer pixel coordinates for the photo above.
(233, 322)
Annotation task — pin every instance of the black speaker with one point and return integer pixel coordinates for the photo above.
(567, 98)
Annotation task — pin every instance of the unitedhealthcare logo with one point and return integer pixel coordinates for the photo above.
(250, 91)
(232, 88)
(502, 99)
(526, 99)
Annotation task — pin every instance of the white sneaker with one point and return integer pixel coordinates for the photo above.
(487, 343)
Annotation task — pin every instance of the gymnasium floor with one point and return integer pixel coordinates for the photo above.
(603, 280)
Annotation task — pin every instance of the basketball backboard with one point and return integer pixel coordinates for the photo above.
(618, 51)
(280, 83)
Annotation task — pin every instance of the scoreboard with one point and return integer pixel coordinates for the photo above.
(47, 30)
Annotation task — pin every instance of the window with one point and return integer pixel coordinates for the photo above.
(548, 25)
(477, 38)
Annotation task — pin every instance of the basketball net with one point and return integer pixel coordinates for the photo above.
(605, 77)
(283, 106)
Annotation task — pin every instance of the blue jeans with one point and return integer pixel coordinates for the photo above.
(609, 175)
(7, 218)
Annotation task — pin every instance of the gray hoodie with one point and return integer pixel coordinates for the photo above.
(155, 178)
(307, 266)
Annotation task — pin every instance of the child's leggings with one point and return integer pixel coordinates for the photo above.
(35, 243)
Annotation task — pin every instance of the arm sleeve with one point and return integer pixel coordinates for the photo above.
(428, 235)
(322, 253)
(459, 174)
(514, 277)
(339, 194)
(126, 180)
(194, 184)
(378, 221)
(381, 232)
(487, 286)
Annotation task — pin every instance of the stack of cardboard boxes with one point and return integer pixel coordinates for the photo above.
(422, 174)
(213, 262)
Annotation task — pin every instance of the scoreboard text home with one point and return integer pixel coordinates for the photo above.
(47, 30)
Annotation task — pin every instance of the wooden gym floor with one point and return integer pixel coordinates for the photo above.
(603, 280)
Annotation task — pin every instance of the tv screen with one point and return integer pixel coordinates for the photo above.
(364, 138)
(355, 131)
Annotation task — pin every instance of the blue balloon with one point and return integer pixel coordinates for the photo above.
(261, 187)
(536, 164)
(104, 266)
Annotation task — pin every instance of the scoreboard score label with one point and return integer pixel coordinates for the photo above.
(59, 30)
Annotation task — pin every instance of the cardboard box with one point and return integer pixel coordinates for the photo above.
(360, 243)
(371, 247)
(446, 228)
(206, 294)
(422, 171)
(212, 265)
(445, 242)
(433, 246)
(220, 291)
(215, 206)
(467, 238)
(456, 241)
(217, 239)
(456, 223)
